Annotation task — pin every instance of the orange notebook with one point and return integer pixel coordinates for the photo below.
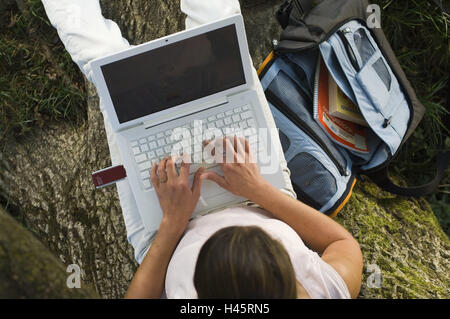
(343, 132)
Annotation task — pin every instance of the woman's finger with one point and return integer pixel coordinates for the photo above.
(235, 143)
(247, 146)
(230, 154)
(197, 183)
(184, 168)
(248, 153)
(162, 171)
(240, 150)
(153, 177)
(249, 156)
(170, 168)
(209, 151)
(213, 176)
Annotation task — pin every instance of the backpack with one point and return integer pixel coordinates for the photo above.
(331, 39)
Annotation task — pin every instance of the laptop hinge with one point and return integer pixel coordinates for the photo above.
(185, 111)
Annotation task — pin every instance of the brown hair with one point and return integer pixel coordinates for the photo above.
(244, 262)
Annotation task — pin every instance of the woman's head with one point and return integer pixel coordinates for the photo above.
(244, 262)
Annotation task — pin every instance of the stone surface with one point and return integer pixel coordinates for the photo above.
(45, 179)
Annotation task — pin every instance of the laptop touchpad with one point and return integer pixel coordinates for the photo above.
(210, 188)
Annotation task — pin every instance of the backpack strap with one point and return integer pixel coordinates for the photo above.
(302, 8)
(298, 8)
(382, 179)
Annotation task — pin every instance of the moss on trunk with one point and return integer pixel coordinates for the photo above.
(28, 269)
(403, 238)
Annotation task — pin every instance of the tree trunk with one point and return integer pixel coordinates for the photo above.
(29, 270)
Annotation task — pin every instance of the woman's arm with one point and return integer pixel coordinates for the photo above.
(318, 231)
(322, 234)
(178, 201)
(148, 282)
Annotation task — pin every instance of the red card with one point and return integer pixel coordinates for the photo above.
(108, 176)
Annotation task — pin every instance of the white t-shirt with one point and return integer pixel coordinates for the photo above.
(318, 278)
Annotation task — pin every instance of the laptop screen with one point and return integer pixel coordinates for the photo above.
(174, 74)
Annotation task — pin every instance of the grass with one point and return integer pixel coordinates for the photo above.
(40, 83)
(418, 31)
(419, 34)
(38, 80)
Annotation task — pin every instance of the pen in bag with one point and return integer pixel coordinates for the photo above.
(349, 50)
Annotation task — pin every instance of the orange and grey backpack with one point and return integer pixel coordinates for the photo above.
(331, 41)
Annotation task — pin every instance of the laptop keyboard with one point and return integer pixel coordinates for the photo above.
(155, 147)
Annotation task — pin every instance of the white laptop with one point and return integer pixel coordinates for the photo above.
(198, 82)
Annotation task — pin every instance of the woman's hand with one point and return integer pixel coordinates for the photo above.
(177, 201)
(176, 198)
(241, 175)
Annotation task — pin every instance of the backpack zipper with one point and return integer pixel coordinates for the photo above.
(302, 78)
(273, 99)
(279, 50)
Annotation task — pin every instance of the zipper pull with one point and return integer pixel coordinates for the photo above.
(387, 122)
(346, 30)
(274, 44)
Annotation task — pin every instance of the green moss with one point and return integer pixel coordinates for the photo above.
(403, 238)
